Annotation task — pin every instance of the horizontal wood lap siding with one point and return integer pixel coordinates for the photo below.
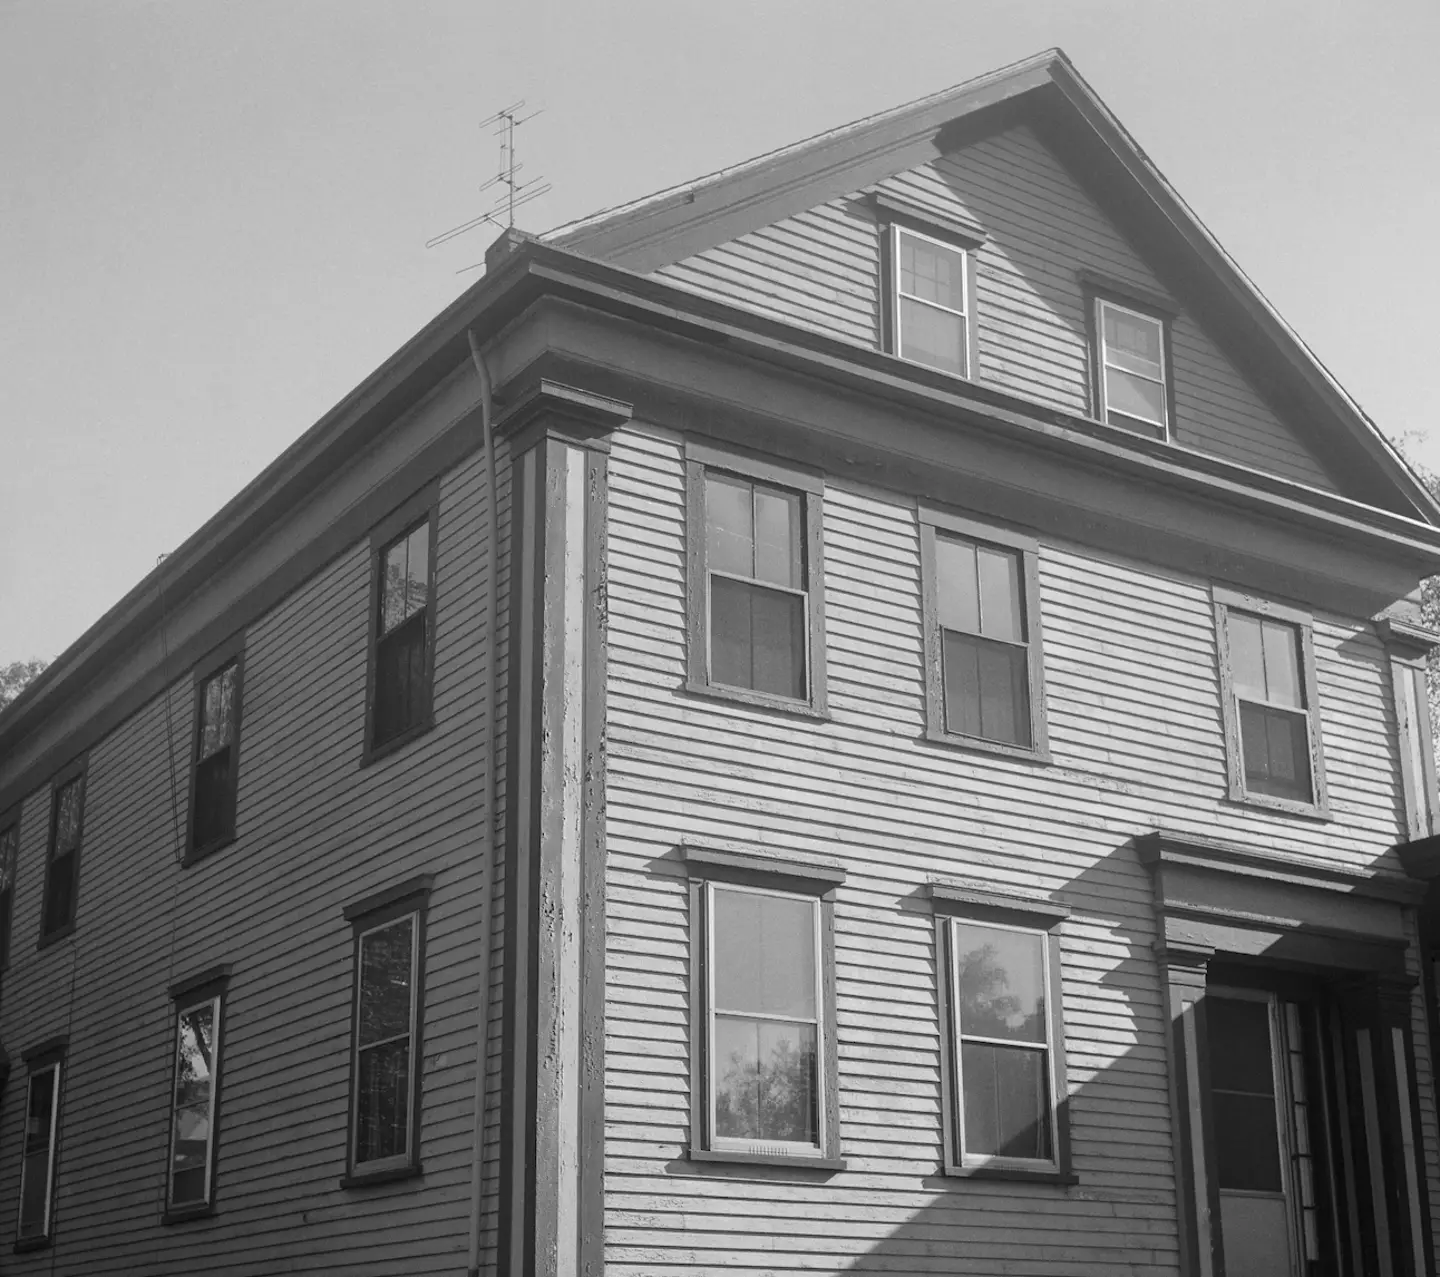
(821, 269)
(865, 789)
(315, 831)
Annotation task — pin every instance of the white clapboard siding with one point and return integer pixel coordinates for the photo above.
(820, 269)
(1136, 734)
(316, 831)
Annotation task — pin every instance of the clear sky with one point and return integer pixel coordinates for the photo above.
(213, 214)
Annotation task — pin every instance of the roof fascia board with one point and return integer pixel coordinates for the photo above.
(689, 219)
(1286, 342)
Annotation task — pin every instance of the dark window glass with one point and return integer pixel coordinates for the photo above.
(384, 1031)
(1004, 1035)
(402, 646)
(1266, 670)
(9, 853)
(37, 1163)
(215, 759)
(1242, 1086)
(984, 644)
(193, 1118)
(756, 567)
(64, 861)
(765, 1043)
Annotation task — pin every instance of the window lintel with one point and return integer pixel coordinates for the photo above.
(894, 210)
(721, 863)
(212, 980)
(780, 471)
(413, 892)
(44, 1053)
(966, 899)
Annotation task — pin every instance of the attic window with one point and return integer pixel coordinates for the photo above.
(1132, 368)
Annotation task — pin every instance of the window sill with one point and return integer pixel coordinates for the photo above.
(1019, 1173)
(1025, 754)
(796, 1160)
(56, 936)
(757, 700)
(390, 1175)
(31, 1243)
(184, 1214)
(378, 753)
(204, 853)
(1289, 806)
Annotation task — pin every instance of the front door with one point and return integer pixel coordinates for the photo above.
(1259, 1116)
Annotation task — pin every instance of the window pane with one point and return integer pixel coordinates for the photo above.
(764, 953)
(35, 1156)
(933, 337)
(999, 572)
(1247, 655)
(766, 1080)
(932, 271)
(406, 587)
(60, 892)
(217, 711)
(1001, 978)
(212, 798)
(1282, 663)
(400, 683)
(1276, 752)
(1247, 1147)
(385, 981)
(757, 638)
(1239, 1035)
(987, 689)
(1007, 1108)
(957, 585)
(1134, 343)
(777, 537)
(729, 530)
(1133, 396)
(67, 816)
(194, 1083)
(9, 848)
(383, 1104)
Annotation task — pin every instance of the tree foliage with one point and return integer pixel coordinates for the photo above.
(14, 677)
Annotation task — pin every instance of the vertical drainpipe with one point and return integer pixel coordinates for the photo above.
(487, 897)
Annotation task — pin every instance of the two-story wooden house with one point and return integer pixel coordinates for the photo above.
(856, 715)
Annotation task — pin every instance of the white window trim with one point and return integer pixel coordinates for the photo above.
(781, 1148)
(182, 1008)
(1103, 362)
(958, 1037)
(52, 1067)
(966, 315)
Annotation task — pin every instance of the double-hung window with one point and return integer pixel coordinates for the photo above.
(985, 683)
(195, 1099)
(1132, 367)
(389, 938)
(402, 646)
(215, 766)
(9, 857)
(763, 1049)
(38, 1144)
(756, 612)
(933, 306)
(1408, 647)
(1000, 995)
(1270, 703)
(62, 861)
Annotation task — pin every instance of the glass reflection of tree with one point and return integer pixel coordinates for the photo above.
(193, 1081)
(986, 1009)
(768, 1095)
(384, 1041)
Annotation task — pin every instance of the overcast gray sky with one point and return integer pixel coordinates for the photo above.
(213, 215)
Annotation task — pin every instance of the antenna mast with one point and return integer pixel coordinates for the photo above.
(513, 193)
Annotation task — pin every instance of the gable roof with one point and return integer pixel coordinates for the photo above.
(1048, 94)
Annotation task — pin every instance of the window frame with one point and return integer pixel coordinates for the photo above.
(700, 460)
(1226, 600)
(1099, 292)
(893, 216)
(422, 507)
(78, 771)
(209, 986)
(408, 899)
(231, 652)
(959, 901)
(708, 867)
(930, 520)
(42, 1058)
(1407, 648)
(9, 823)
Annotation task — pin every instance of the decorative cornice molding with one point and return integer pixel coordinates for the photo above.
(1397, 631)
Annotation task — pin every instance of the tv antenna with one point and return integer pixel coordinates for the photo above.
(513, 193)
